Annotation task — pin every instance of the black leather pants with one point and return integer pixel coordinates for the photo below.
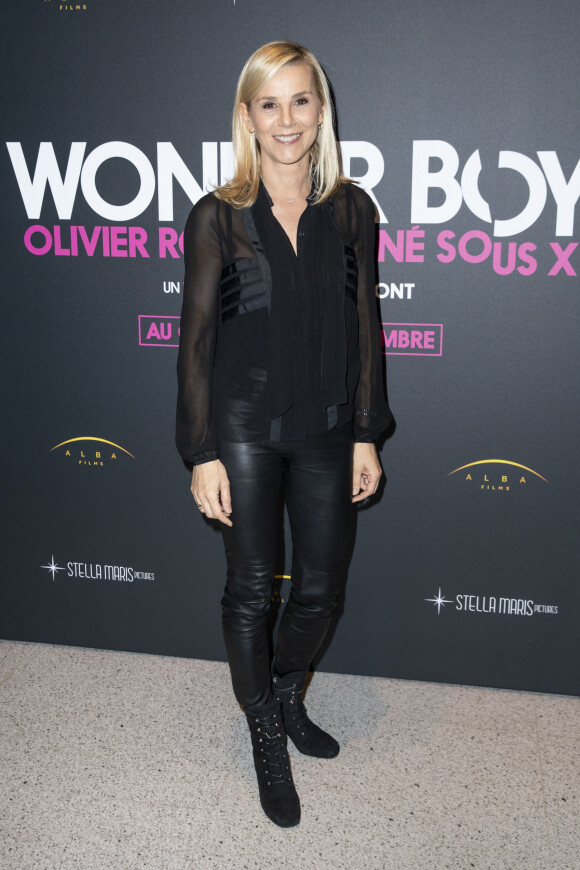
(316, 477)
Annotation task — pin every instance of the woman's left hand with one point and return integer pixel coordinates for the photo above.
(366, 471)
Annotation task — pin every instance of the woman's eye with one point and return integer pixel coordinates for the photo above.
(302, 100)
(267, 105)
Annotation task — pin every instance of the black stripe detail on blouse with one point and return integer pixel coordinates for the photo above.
(241, 288)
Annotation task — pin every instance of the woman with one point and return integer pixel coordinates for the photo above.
(280, 387)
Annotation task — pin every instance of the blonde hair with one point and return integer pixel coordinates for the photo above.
(325, 162)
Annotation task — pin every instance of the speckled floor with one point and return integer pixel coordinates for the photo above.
(117, 761)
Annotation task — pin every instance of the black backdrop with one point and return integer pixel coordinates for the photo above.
(467, 576)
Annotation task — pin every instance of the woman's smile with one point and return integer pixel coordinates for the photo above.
(288, 139)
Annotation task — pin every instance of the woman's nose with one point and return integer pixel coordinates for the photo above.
(286, 118)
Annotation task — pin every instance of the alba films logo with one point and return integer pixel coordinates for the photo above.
(90, 451)
(66, 7)
(497, 475)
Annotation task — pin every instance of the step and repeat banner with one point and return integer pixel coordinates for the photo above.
(459, 120)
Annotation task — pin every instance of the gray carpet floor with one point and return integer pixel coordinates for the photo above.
(119, 761)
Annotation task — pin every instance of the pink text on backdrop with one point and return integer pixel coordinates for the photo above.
(412, 339)
(67, 241)
(158, 331)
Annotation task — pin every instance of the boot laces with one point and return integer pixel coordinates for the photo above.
(273, 754)
(295, 709)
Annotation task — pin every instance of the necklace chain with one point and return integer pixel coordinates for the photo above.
(281, 202)
(291, 200)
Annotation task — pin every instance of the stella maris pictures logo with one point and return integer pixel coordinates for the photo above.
(53, 568)
(87, 450)
(496, 475)
(490, 604)
(438, 601)
(97, 571)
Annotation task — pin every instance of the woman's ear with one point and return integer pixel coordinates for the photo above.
(245, 116)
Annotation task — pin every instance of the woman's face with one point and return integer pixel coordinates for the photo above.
(285, 116)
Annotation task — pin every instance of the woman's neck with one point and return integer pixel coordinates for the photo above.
(287, 186)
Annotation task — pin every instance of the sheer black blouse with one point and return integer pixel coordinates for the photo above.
(273, 344)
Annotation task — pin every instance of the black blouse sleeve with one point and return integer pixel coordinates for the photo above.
(194, 436)
(372, 413)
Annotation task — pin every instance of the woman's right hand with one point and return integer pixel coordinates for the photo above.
(210, 488)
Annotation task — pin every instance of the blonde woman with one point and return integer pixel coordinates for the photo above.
(281, 389)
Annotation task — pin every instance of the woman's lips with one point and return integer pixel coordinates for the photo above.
(295, 138)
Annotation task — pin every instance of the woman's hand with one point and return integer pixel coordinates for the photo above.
(366, 471)
(210, 488)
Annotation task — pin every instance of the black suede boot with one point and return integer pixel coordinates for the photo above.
(278, 795)
(306, 736)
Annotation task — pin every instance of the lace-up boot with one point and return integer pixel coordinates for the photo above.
(306, 736)
(278, 795)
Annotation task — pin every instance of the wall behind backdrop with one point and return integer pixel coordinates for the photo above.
(458, 119)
